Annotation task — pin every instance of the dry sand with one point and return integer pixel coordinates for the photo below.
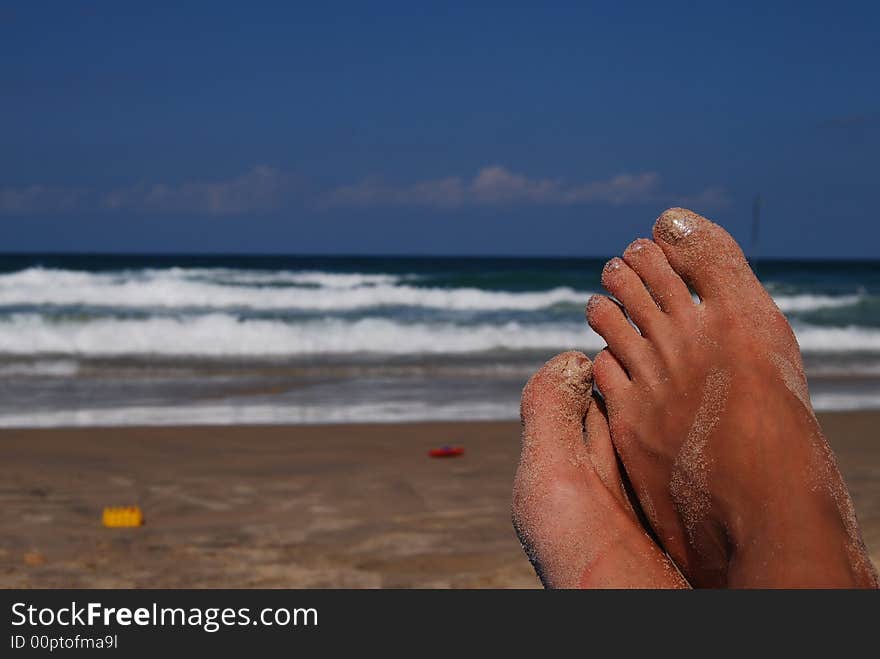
(309, 506)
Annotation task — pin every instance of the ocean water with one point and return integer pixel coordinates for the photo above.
(116, 339)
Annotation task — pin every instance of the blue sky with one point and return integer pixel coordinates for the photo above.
(439, 128)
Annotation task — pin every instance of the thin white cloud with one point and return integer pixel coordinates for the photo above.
(260, 189)
(33, 199)
(498, 186)
(264, 189)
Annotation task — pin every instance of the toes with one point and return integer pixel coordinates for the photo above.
(563, 424)
(607, 320)
(567, 508)
(602, 453)
(624, 284)
(611, 378)
(550, 493)
(650, 263)
(554, 404)
(703, 253)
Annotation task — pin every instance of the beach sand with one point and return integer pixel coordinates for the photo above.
(308, 506)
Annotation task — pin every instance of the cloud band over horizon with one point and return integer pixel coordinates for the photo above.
(264, 189)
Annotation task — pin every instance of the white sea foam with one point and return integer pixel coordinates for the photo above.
(203, 312)
(176, 288)
(51, 368)
(812, 338)
(220, 335)
(223, 288)
(807, 302)
(846, 401)
(262, 414)
(269, 277)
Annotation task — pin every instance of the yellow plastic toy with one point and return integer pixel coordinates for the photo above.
(124, 517)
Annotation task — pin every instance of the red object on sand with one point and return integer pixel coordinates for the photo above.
(446, 452)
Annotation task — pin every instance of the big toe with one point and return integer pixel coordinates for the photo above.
(549, 491)
(703, 253)
(554, 404)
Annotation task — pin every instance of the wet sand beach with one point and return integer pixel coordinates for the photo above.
(294, 506)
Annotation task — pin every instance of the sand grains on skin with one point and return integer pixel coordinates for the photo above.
(698, 463)
(554, 401)
(570, 508)
(689, 485)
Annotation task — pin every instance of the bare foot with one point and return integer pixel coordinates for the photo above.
(710, 414)
(570, 509)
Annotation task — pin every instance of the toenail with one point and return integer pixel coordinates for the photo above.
(636, 246)
(577, 371)
(676, 224)
(611, 267)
